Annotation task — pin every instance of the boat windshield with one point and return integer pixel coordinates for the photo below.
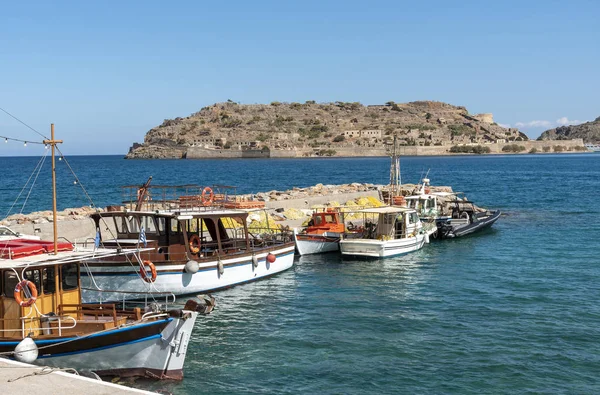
(4, 231)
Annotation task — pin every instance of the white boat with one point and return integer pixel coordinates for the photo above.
(429, 205)
(7, 233)
(322, 234)
(593, 147)
(385, 232)
(188, 250)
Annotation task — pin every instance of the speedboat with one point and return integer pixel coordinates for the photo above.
(385, 232)
(464, 220)
(322, 234)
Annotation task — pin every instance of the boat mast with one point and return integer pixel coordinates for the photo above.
(52, 144)
(395, 179)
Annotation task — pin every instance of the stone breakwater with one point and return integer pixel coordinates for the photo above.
(290, 205)
(317, 190)
(45, 217)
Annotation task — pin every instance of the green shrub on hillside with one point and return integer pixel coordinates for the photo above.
(513, 148)
(231, 122)
(458, 130)
(470, 149)
(327, 152)
(339, 138)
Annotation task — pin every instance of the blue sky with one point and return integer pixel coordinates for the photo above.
(107, 72)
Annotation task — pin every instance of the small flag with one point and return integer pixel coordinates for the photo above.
(97, 239)
(143, 237)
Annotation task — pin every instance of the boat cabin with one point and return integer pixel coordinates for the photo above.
(171, 236)
(385, 223)
(325, 221)
(40, 293)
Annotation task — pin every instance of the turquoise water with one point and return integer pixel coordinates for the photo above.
(513, 309)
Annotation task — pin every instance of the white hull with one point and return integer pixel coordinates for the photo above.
(316, 244)
(157, 356)
(172, 278)
(381, 248)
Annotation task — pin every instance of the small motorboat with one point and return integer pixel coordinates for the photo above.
(322, 234)
(465, 219)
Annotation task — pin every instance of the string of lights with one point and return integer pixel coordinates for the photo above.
(25, 142)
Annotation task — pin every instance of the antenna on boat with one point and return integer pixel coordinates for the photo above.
(52, 144)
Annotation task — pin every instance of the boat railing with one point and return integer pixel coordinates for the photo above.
(142, 298)
(44, 324)
(267, 236)
(178, 197)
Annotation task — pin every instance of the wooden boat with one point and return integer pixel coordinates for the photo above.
(465, 220)
(41, 301)
(384, 232)
(322, 234)
(43, 320)
(193, 248)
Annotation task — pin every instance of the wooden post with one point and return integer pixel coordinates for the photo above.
(53, 143)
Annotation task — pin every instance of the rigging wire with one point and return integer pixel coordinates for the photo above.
(93, 205)
(39, 164)
(18, 120)
(33, 183)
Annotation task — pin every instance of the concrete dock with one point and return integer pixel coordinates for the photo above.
(21, 378)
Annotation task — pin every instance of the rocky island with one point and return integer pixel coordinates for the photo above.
(589, 132)
(310, 129)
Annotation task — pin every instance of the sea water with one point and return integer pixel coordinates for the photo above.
(511, 309)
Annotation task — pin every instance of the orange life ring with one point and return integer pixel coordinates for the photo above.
(143, 273)
(194, 244)
(32, 290)
(398, 200)
(207, 196)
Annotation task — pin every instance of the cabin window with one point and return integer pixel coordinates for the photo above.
(121, 225)
(34, 277)
(148, 224)
(329, 219)
(192, 225)
(48, 283)
(174, 226)
(70, 276)
(318, 221)
(10, 282)
(132, 224)
(162, 224)
(413, 218)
